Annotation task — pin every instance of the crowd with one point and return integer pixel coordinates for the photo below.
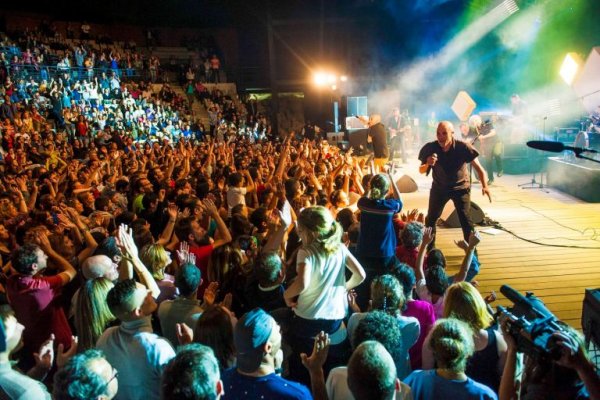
(225, 264)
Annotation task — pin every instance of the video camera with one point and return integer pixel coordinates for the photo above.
(532, 325)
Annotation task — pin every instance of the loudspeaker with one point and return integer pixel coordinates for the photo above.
(476, 214)
(463, 105)
(590, 316)
(406, 184)
(358, 138)
(356, 105)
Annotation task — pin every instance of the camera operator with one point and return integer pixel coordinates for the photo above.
(572, 376)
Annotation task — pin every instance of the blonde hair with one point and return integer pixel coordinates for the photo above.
(464, 302)
(92, 314)
(325, 232)
(155, 258)
(387, 294)
(452, 344)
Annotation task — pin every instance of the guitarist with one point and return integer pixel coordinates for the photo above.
(398, 127)
(487, 140)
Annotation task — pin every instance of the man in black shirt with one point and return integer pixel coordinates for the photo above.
(378, 137)
(448, 158)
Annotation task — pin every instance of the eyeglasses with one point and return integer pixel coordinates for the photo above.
(114, 376)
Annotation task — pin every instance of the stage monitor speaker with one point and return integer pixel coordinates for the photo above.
(590, 316)
(356, 105)
(406, 184)
(358, 140)
(476, 214)
(334, 138)
(463, 105)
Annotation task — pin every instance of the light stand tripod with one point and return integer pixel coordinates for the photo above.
(533, 184)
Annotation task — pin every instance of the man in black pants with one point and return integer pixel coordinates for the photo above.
(448, 158)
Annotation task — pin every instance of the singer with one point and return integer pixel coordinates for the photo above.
(447, 159)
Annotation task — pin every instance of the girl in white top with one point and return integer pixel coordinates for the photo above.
(318, 294)
(321, 287)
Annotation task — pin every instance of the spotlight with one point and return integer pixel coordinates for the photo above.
(343, 78)
(570, 67)
(320, 79)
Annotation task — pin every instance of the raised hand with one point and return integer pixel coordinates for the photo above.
(474, 239)
(428, 236)
(63, 356)
(210, 294)
(125, 241)
(44, 358)
(183, 252)
(185, 334)
(352, 301)
(319, 353)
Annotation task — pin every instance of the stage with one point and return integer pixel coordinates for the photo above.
(558, 275)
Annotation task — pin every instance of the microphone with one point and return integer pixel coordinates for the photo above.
(557, 147)
(431, 166)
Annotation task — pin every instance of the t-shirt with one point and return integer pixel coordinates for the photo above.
(424, 313)
(272, 386)
(172, 312)
(428, 385)
(36, 302)
(379, 137)
(14, 385)
(235, 196)
(325, 295)
(337, 386)
(202, 254)
(450, 171)
(377, 237)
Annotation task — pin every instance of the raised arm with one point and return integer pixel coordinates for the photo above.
(474, 240)
(130, 252)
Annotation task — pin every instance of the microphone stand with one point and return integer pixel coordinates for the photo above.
(535, 184)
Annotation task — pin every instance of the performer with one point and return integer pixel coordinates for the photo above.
(448, 158)
(378, 137)
(397, 128)
(490, 146)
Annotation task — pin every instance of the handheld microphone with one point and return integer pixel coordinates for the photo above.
(431, 166)
(557, 147)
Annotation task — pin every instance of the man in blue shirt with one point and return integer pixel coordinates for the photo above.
(258, 340)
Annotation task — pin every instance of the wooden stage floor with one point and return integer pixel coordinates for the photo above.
(557, 275)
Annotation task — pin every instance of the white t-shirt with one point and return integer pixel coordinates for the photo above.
(325, 296)
(235, 196)
(337, 386)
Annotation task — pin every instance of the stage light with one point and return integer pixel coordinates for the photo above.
(570, 67)
(343, 78)
(320, 78)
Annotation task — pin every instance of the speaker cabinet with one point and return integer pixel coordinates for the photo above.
(476, 214)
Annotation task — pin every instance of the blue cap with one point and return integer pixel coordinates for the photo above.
(251, 333)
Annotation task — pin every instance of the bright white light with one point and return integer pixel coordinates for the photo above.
(570, 67)
(333, 87)
(331, 79)
(343, 78)
(320, 78)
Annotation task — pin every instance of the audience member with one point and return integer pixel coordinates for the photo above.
(193, 374)
(258, 342)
